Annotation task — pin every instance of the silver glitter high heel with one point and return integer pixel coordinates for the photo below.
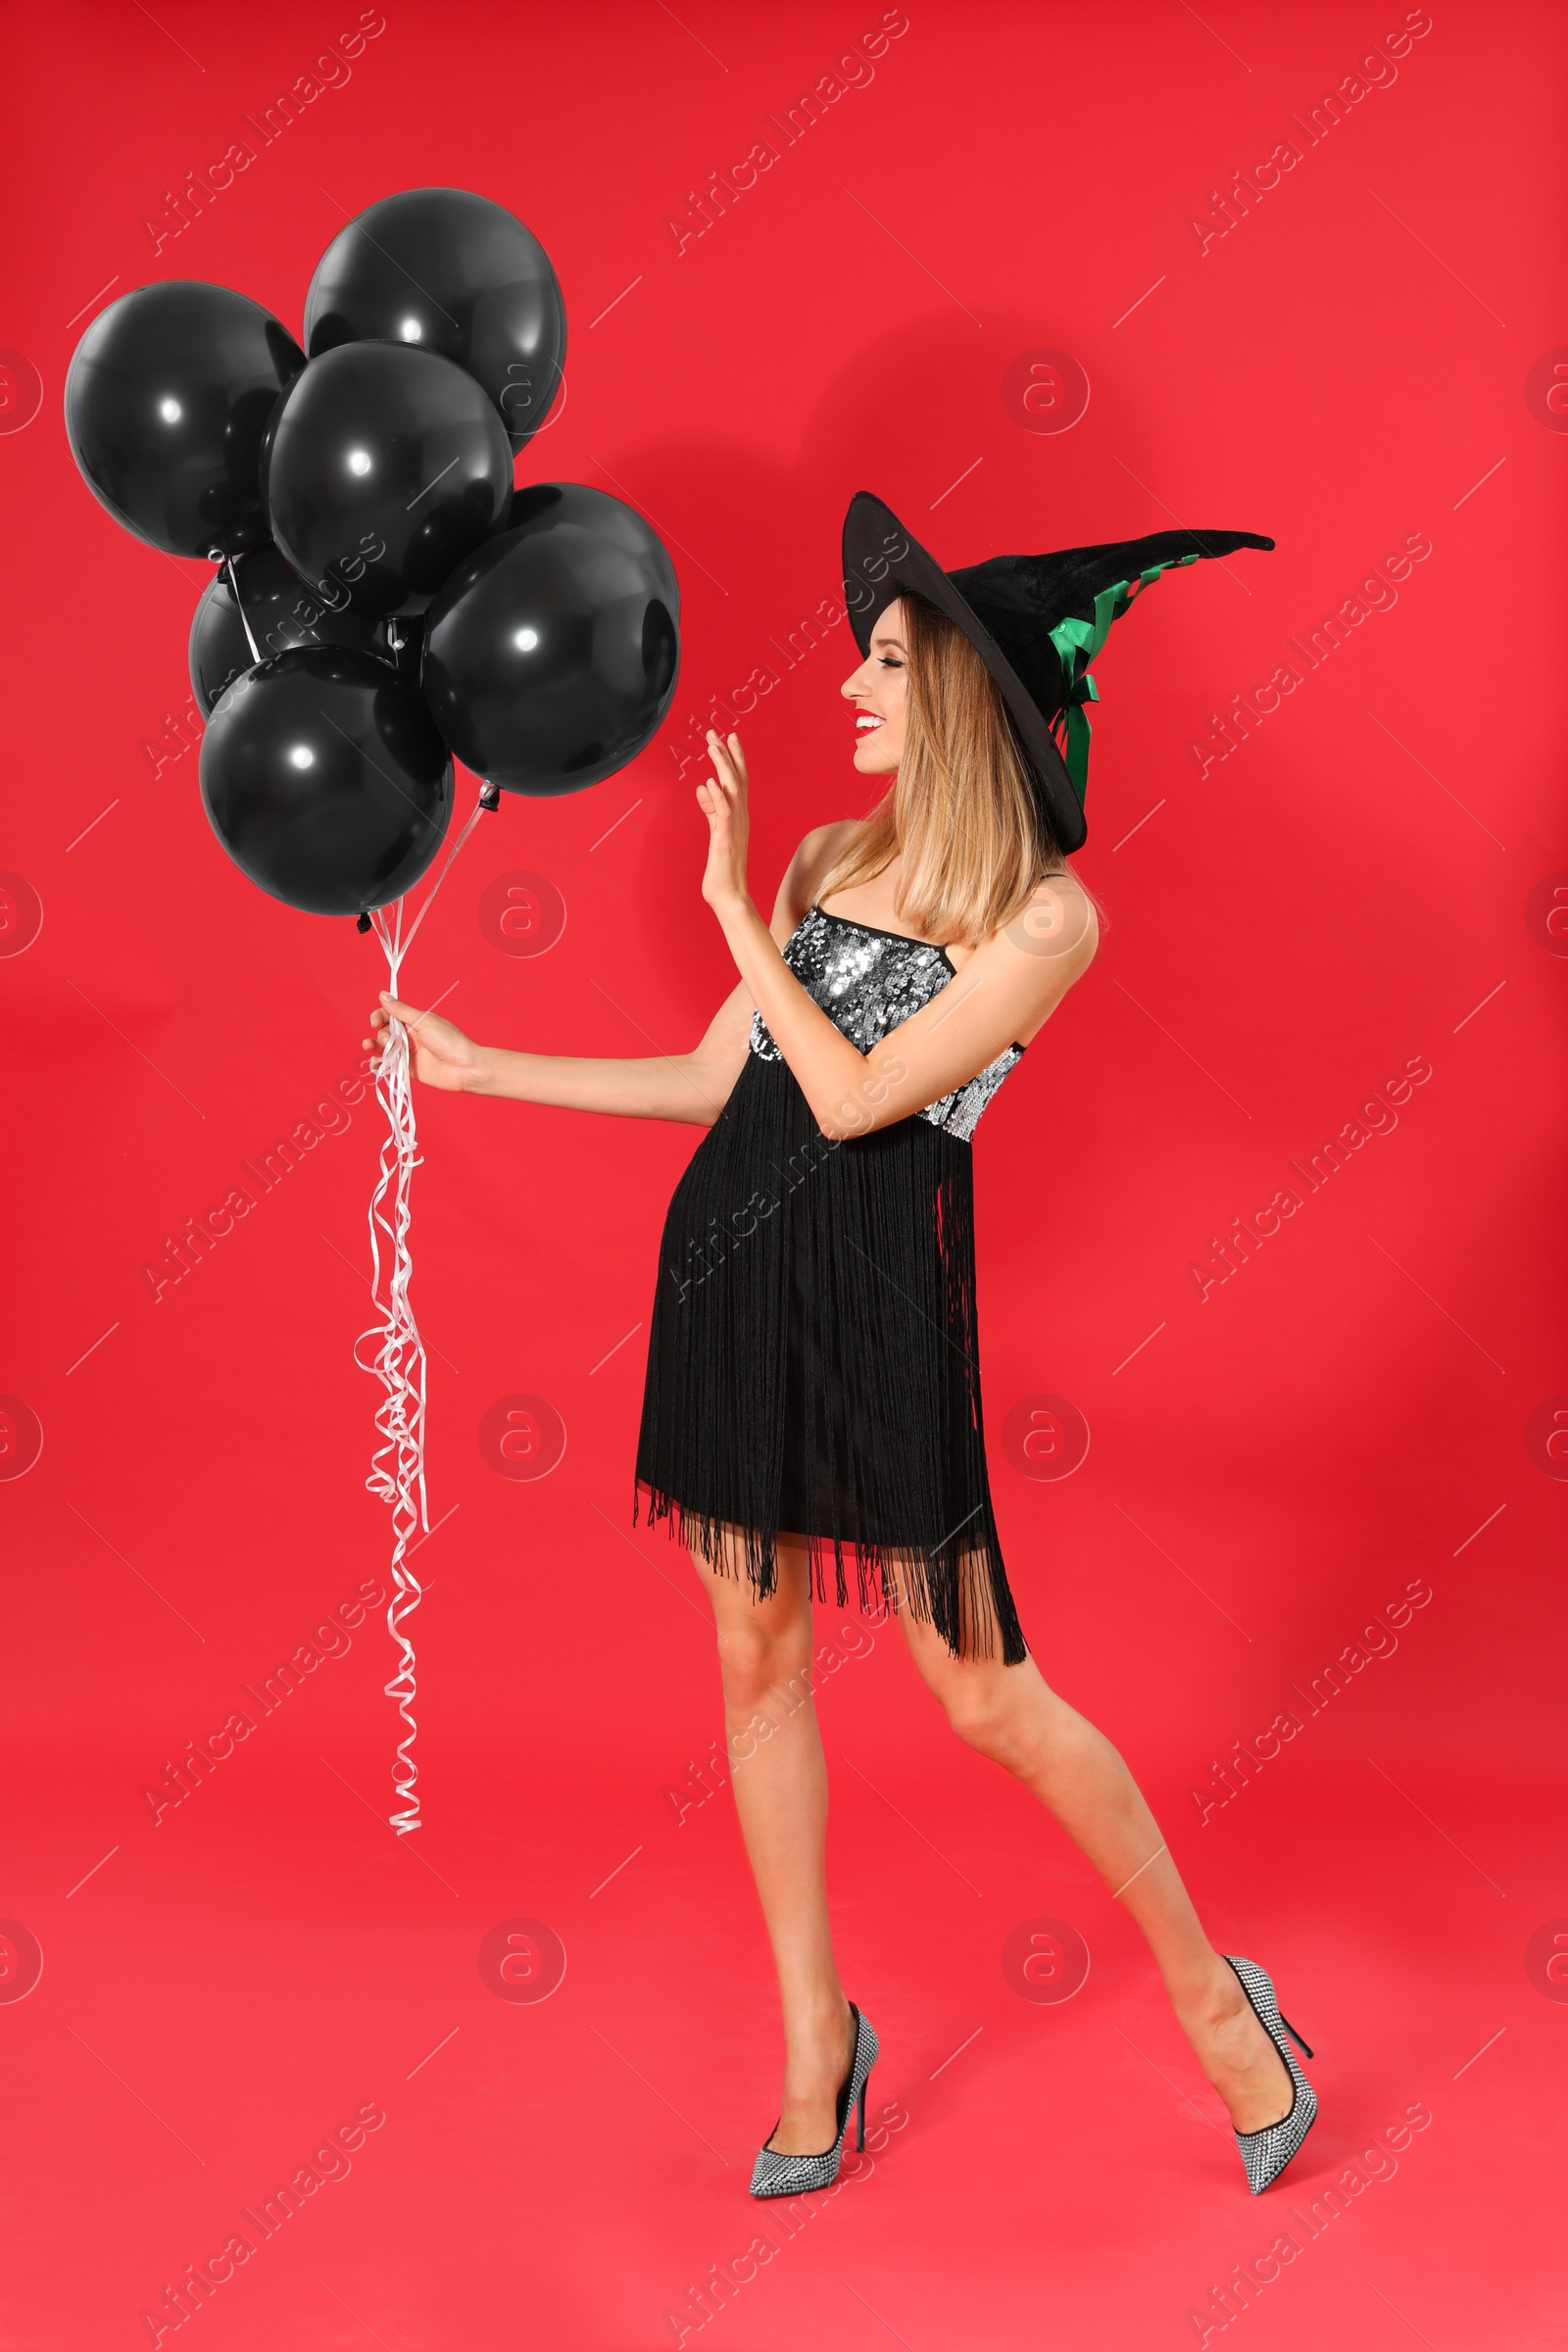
(780, 2175)
(1267, 2152)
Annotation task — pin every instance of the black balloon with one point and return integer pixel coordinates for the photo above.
(595, 510)
(263, 457)
(455, 273)
(550, 655)
(326, 781)
(168, 394)
(283, 614)
(386, 467)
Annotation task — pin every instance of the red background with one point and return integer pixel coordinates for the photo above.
(1363, 882)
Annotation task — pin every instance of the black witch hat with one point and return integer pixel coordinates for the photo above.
(1037, 622)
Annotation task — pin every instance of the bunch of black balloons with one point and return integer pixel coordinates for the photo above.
(385, 597)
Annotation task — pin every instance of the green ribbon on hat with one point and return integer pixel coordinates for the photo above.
(1077, 642)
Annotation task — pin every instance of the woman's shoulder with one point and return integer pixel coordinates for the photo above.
(823, 844)
(1059, 920)
(1058, 930)
(815, 858)
(1059, 911)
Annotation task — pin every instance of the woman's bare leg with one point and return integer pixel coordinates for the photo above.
(1009, 1714)
(779, 1778)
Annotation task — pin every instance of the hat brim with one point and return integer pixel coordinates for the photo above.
(881, 561)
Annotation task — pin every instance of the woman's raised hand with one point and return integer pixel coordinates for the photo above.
(722, 800)
(442, 1056)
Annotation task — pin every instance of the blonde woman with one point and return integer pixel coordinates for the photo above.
(813, 1385)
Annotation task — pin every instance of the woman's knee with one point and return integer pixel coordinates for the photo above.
(975, 1710)
(758, 1659)
(998, 1710)
(763, 1644)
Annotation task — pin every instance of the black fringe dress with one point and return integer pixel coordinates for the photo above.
(812, 1359)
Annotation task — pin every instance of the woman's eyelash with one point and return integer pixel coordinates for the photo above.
(890, 661)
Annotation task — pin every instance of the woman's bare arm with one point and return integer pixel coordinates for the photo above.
(689, 1087)
(1005, 990)
(692, 1088)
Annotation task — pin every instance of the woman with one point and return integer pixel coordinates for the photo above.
(812, 1380)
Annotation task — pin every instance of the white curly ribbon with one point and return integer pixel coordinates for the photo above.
(396, 1466)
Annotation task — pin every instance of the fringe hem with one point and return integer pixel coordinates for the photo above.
(978, 1621)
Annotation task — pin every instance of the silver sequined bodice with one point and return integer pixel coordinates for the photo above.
(867, 982)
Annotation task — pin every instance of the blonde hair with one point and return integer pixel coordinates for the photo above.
(963, 811)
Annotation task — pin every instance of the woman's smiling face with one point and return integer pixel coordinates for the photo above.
(878, 692)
